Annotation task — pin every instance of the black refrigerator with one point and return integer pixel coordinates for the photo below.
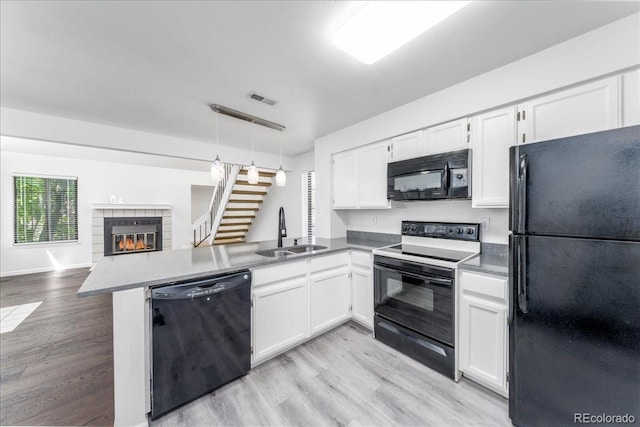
(574, 319)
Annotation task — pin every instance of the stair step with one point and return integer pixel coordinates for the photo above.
(230, 234)
(242, 231)
(259, 184)
(229, 241)
(238, 216)
(243, 172)
(235, 224)
(252, 193)
(242, 209)
(244, 201)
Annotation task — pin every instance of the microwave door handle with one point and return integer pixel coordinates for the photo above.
(445, 178)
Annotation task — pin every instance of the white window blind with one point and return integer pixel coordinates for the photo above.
(45, 209)
(310, 200)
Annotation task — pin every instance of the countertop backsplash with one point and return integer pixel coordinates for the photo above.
(368, 235)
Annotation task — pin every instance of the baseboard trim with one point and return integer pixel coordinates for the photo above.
(42, 270)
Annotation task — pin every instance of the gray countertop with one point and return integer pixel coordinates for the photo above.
(118, 273)
(494, 259)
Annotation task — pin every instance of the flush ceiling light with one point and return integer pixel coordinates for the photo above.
(381, 27)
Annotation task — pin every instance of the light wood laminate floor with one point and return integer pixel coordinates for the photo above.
(56, 367)
(346, 378)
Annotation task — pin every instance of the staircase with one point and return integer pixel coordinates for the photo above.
(233, 214)
(242, 208)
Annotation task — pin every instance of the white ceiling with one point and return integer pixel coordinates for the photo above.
(156, 66)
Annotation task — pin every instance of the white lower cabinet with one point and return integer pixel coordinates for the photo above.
(296, 300)
(362, 288)
(483, 349)
(280, 309)
(330, 289)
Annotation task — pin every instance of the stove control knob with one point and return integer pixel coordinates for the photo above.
(405, 227)
(460, 230)
(469, 231)
(451, 230)
(413, 227)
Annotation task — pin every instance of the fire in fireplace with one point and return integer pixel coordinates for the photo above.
(132, 234)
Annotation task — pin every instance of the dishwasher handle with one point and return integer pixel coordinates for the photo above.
(199, 288)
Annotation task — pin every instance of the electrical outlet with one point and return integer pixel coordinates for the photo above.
(374, 219)
(486, 224)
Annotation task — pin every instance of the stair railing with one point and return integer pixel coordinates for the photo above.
(218, 208)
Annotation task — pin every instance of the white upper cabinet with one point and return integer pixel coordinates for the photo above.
(492, 135)
(372, 176)
(360, 177)
(587, 108)
(631, 98)
(407, 146)
(448, 136)
(344, 174)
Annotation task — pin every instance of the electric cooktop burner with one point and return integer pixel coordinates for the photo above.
(428, 252)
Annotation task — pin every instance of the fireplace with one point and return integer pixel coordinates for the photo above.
(127, 235)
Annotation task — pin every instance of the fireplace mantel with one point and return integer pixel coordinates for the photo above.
(130, 206)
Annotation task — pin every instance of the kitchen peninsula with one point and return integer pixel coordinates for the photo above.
(130, 277)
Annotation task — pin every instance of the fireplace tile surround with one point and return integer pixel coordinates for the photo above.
(99, 212)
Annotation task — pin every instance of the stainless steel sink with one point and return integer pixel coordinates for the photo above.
(290, 250)
(305, 248)
(274, 252)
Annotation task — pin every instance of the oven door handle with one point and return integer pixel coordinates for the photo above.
(427, 278)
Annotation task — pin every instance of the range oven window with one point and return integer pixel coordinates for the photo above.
(422, 302)
(419, 297)
(418, 182)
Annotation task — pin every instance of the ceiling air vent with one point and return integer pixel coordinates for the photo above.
(262, 99)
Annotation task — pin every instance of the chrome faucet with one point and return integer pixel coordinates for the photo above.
(282, 227)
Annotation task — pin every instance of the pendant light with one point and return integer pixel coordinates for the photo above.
(252, 172)
(217, 168)
(281, 176)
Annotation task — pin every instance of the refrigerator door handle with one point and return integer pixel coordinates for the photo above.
(523, 298)
(513, 275)
(523, 165)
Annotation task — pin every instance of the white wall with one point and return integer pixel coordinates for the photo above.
(289, 197)
(200, 200)
(97, 180)
(25, 124)
(605, 50)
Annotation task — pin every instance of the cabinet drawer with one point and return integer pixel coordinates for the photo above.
(329, 261)
(481, 284)
(288, 270)
(362, 259)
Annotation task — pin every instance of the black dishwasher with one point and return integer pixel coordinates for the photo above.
(201, 337)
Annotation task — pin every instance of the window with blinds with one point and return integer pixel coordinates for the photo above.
(310, 204)
(45, 209)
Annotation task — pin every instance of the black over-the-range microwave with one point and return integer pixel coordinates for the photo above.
(434, 177)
